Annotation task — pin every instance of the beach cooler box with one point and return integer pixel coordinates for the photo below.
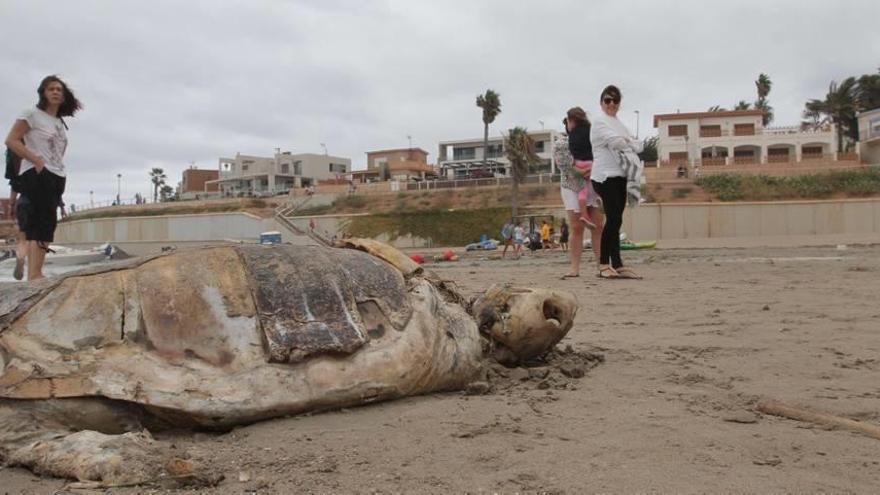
(271, 237)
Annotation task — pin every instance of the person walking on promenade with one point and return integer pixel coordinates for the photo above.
(39, 137)
(610, 139)
(572, 182)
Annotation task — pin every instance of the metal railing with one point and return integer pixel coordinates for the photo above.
(486, 182)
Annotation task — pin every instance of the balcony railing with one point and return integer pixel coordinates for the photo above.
(756, 160)
(767, 131)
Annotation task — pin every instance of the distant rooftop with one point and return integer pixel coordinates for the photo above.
(703, 115)
(397, 149)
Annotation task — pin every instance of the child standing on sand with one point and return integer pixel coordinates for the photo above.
(519, 237)
(582, 153)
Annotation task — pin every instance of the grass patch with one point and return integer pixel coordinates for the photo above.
(681, 192)
(439, 227)
(170, 209)
(739, 187)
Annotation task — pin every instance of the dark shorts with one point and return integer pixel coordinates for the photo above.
(37, 207)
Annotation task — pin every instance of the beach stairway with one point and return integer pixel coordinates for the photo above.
(286, 214)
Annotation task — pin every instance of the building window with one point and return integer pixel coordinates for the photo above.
(710, 131)
(494, 151)
(678, 130)
(744, 129)
(539, 147)
(298, 167)
(337, 167)
(464, 153)
(285, 168)
(244, 167)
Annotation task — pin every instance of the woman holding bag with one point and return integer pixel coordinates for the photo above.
(39, 137)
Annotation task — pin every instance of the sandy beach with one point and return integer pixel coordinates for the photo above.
(674, 364)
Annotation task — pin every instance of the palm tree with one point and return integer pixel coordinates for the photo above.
(649, 149)
(763, 85)
(491, 105)
(157, 177)
(166, 192)
(839, 106)
(520, 151)
(868, 92)
(743, 105)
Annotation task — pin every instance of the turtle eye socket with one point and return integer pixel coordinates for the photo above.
(552, 312)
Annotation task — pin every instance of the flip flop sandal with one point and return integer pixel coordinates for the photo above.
(568, 276)
(624, 272)
(608, 273)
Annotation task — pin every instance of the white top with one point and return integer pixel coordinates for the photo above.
(609, 136)
(46, 138)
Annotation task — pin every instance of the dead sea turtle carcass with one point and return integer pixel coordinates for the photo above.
(223, 336)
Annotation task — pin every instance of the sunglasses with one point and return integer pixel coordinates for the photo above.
(609, 101)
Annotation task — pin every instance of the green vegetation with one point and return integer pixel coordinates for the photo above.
(441, 227)
(681, 192)
(841, 105)
(172, 209)
(736, 187)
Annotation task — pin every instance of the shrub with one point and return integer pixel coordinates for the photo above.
(732, 187)
(681, 192)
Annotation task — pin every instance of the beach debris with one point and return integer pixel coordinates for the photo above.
(224, 336)
(823, 419)
(741, 416)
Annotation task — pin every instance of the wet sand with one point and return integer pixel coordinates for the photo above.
(687, 354)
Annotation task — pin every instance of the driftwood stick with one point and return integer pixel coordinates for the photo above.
(800, 414)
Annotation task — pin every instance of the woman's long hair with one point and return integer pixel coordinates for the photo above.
(68, 107)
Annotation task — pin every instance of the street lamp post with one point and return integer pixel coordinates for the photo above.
(118, 189)
(542, 124)
(637, 124)
(91, 199)
(325, 148)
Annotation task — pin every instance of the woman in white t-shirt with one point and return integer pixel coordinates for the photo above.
(39, 138)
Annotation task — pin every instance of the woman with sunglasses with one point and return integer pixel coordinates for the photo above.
(609, 137)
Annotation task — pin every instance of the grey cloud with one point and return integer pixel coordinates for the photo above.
(167, 82)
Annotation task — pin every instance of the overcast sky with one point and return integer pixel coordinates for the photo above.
(166, 83)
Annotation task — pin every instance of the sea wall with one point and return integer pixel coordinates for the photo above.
(674, 223)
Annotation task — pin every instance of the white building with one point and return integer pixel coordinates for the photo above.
(869, 136)
(737, 137)
(249, 174)
(464, 158)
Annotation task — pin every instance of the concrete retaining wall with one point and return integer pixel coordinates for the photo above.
(732, 220)
(672, 224)
(149, 233)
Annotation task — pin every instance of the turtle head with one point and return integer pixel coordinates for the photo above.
(523, 323)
